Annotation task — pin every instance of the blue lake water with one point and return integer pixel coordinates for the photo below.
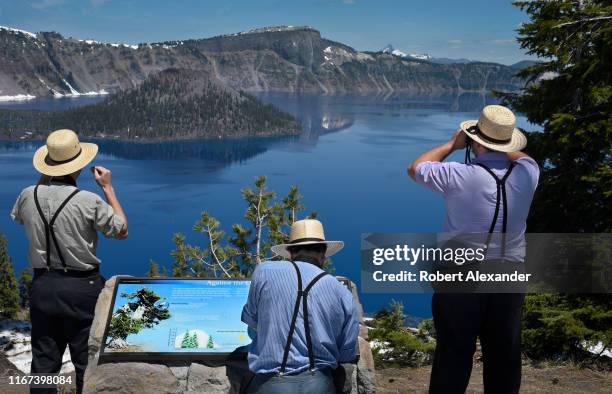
(349, 163)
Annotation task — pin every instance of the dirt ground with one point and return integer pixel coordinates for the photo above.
(544, 379)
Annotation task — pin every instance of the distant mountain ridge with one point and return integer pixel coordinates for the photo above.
(276, 59)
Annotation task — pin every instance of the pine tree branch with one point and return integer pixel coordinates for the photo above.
(597, 18)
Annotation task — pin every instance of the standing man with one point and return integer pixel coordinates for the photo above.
(61, 224)
(491, 195)
(306, 320)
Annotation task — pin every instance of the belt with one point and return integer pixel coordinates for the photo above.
(67, 272)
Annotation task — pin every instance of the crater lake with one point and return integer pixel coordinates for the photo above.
(349, 163)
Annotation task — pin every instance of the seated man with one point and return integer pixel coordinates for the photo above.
(306, 320)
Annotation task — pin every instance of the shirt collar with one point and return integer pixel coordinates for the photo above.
(491, 156)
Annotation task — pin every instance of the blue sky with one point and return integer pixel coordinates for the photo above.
(475, 29)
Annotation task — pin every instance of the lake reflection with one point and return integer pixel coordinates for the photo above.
(349, 163)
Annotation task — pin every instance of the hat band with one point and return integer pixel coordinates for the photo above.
(56, 162)
(295, 241)
(475, 130)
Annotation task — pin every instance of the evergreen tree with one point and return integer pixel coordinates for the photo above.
(194, 342)
(186, 341)
(210, 344)
(570, 95)
(25, 283)
(153, 271)
(9, 293)
(122, 324)
(267, 223)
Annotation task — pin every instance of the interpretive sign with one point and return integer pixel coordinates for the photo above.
(176, 319)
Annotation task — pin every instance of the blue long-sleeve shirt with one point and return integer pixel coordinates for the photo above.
(332, 312)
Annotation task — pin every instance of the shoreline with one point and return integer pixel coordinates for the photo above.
(41, 138)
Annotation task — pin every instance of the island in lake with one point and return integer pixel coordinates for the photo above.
(169, 105)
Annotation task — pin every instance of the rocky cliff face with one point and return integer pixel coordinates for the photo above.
(282, 59)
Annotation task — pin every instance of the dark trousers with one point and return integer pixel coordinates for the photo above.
(459, 319)
(61, 311)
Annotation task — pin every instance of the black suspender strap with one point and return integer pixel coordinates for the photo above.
(302, 296)
(311, 361)
(296, 310)
(501, 197)
(49, 233)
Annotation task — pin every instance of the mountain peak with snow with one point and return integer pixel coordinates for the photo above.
(396, 52)
(18, 31)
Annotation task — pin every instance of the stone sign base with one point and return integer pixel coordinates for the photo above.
(195, 377)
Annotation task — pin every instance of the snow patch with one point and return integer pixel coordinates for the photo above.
(597, 349)
(18, 31)
(76, 93)
(17, 97)
(15, 342)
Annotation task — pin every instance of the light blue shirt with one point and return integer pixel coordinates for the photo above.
(470, 194)
(332, 312)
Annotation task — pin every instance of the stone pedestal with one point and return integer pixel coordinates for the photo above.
(187, 377)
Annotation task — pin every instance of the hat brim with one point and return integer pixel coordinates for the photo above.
(44, 166)
(333, 247)
(517, 142)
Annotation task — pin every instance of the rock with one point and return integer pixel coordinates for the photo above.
(15, 343)
(203, 379)
(130, 378)
(366, 372)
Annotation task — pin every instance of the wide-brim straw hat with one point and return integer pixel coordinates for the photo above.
(307, 232)
(63, 154)
(495, 129)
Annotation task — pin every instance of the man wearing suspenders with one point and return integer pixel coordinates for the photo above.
(61, 224)
(306, 321)
(490, 195)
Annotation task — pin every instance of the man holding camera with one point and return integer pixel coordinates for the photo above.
(493, 194)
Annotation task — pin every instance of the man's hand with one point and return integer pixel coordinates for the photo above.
(459, 140)
(102, 176)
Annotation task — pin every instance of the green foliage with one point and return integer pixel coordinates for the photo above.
(211, 343)
(394, 344)
(25, 283)
(186, 341)
(9, 293)
(153, 271)
(190, 341)
(570, 95)
(267, 220)
(123, 321)
(559, 327)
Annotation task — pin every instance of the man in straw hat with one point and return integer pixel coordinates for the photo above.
(306, 321)
(490, 195)
(61, 224)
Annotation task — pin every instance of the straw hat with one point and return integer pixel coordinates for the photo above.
(307, 232)
(495, 129)
(63, 154)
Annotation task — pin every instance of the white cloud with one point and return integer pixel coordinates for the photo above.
(507, 41)
(46, 4)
